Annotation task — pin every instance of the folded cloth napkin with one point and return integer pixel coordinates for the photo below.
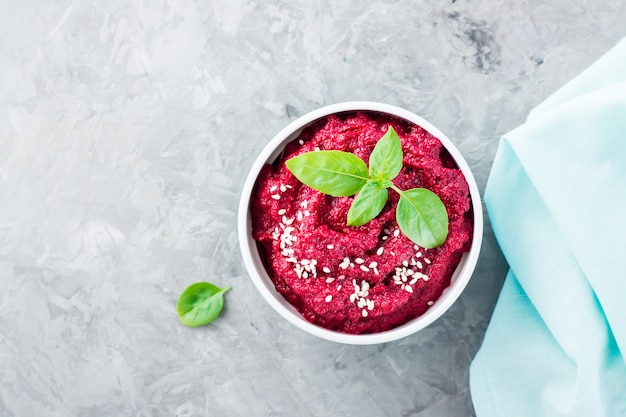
(556, 198)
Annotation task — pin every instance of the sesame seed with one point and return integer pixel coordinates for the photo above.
(305, 275)
(425, 277)
(304, 204)
(408, 288)
(359, 261)
(365, 285)
(376, 271)
(301, 142)
(362, 303)
(419, 265)
(413, 281)
(288, 186)
(387, 231)
(364, 313)
(341, 277)
(364, 268)
(287, 221)
(317, 148)
(385, 237)
(283, 188)
(396, 232)
(430, 303)
(418, 255)
(339, 287)
(281, 212)
(373, 264)
(352, 298)
(328, 298)
(305, 262)
(307, 213)
(326, 269)
(379, 251)
(427, 261)
(392, 253)
(405, 263)
(276, 196)
(299, 216)
(329, 280)
(273, 188)
(416, 247)
(330, 246)
(409, 272)
(370, 305)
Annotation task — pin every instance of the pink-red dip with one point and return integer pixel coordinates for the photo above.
(363, 279)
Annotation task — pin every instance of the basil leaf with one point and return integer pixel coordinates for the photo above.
(200, 304)
(335, 173)
(386, 158)
(422, 217)
(368, 203)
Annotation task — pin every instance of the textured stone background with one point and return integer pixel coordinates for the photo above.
(126, 128)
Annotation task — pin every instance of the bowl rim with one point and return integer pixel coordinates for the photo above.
(263, 283)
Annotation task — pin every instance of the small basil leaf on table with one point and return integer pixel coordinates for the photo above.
(336, 173)
(368, 203)
(200, 304)
(422, 217)
(386, 158)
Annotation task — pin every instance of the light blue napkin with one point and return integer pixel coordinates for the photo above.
(556, 197)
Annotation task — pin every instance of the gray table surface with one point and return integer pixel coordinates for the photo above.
(126, 131)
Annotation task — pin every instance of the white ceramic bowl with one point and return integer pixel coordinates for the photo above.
(261, 279)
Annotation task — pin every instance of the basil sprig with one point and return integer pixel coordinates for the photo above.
(200, 304)
(421, 215)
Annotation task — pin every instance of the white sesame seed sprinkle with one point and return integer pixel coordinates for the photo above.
(364, 313)
(376, 271)
(405, 263)
(339, 287)
(326, 270)
(352, 297)
(385, 237)
(301, 142)
(427, 261)
(419, 265)
(364, 268)
(331, 246)
(283, 188)
(408, 288)
(413, 281)
(373, 264)
(281, 212)
(380, 251)
(299, 216)
(359, 261)
(329, 280)
(396, 232)
(328, 298)
(430, 303)
(276, 196)
(273, 188)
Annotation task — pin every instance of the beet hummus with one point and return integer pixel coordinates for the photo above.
(363, 279)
